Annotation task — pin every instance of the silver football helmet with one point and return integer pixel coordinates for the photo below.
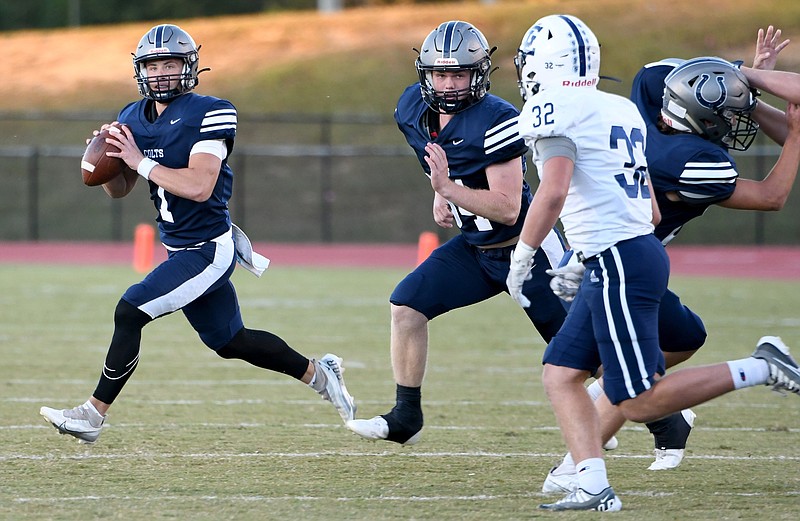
(454, 46)
(166, 41)
(711, 97)
(557, 50)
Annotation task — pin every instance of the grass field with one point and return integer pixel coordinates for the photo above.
(197, 437)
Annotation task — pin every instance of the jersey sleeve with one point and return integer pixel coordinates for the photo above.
(706, 178)
(219, 122)
(502, 141)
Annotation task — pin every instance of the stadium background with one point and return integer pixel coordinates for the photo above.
(198, 439)
(318, 157)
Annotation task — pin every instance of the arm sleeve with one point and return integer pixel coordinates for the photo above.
(556, 146)
(215, 147)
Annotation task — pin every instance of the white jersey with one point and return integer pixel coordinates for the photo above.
(609, 198)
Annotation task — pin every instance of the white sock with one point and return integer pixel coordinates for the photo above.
(748, 372)
(595, 390)
(567, 466)
(89, 405)
(98, 420)
(319, 380)
(592, 475)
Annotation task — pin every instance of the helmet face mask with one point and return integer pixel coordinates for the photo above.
(710, 97)
(557, 50)
(164, 42)
(451, 47)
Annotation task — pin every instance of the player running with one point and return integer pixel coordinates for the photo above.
(696, 111)
(467, 143)
(180, 142)
(588, 148)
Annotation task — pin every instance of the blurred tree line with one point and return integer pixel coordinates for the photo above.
(43, 14)
(46, 14)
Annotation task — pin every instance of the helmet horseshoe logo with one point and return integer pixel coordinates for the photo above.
(698, 92)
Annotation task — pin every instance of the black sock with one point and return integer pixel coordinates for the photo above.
(670, 432)
(409, 397)
(405, 418)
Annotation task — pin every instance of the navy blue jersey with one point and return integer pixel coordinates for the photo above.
(186, 120)
(701, 173)
(480, 136)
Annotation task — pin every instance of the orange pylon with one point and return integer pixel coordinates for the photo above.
(143, 242)
(428, 241)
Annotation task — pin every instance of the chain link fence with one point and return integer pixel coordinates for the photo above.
(298, 178)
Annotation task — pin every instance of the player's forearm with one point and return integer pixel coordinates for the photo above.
(781, 178)
(542, 216)
(492, 205)
(772, 122)
(784, 84)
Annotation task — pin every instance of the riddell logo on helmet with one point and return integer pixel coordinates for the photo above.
(580, 83)
(158, 50)
(445, 61)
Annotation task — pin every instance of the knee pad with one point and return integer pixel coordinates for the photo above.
(128, 315)
(679, 328)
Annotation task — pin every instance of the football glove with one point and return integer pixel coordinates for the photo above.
(566, 280)
(519, 272)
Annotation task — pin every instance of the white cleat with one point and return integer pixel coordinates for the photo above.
(611, 444)
(377, 429)
(81, 422)
(335, 391)
(563, 483)
(667, 459)
(373, 429)
(784, 371)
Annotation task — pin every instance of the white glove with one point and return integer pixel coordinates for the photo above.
(566, 280)
(520, 271)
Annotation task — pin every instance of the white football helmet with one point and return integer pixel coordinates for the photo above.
(712, 98)
(557, 50)
(166, 41)
(454, 46)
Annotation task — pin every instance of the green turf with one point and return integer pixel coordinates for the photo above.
(197, 437)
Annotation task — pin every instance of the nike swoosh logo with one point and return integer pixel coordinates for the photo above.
(789, 367)
(458, 141)
(173, 121)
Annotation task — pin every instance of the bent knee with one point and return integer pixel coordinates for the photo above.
(127, 314)
(637, 410)
(406, 317)
(554, 376)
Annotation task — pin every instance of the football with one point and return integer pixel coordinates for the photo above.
(96, 167)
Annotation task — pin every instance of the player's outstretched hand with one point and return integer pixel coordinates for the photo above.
(519, 272)
(566, 280)
(768, 48)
